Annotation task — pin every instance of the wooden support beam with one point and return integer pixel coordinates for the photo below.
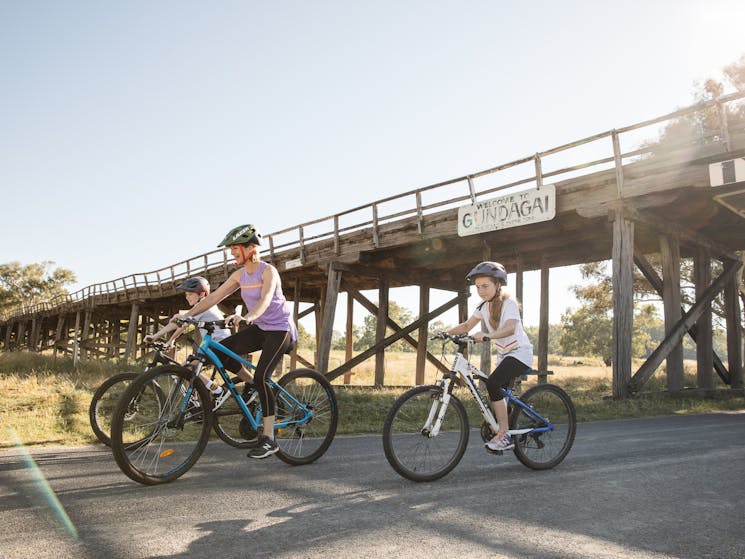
(704, 344)
(380, 328)
(349, 341)
(327, 322)
(655, 281)
(296, 317)
(134, 317)
(76, 341)
(689, 318)
(543, 325)
(623, 301)
(671, 301)
(421, 348)
(331, 375)
(519, 282)
(734, 333)
(373, 309)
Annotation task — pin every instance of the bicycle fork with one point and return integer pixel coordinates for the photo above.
(437, 411)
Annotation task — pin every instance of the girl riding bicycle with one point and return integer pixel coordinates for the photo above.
(501, 315)
(195, 290)
(270, 325)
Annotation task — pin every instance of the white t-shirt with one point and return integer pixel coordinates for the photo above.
(213, 313)
(517, 345)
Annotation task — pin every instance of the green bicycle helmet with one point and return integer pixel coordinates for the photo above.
(242, 235)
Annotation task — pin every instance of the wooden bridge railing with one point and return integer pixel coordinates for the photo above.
(605, 151)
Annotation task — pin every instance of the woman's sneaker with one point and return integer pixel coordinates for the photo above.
(505, 443)
(266, 447)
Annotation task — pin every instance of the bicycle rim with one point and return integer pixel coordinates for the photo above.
(305, 429)
(104, 403)
(409, 445)
(161, 443)
(544, 450)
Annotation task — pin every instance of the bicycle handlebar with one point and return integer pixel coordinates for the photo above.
(200, 323)
(457, 339)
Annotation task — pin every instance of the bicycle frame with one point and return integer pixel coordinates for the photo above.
(470, 375)
(208, 352)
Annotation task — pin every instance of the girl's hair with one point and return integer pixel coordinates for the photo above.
(495, 305)
(495, 308)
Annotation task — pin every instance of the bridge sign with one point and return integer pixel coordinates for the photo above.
(510, 210)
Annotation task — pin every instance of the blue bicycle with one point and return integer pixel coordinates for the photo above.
(426, 432)
(176, 412)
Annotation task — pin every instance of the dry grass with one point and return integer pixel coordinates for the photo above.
(45, 401)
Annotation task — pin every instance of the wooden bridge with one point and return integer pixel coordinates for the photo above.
(616, 197)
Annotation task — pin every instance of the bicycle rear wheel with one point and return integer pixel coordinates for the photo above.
(407, 439)
(168, 435)
(544, 450)
(307, 404)
(104, 402)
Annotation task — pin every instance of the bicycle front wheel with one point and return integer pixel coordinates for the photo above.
(104, 403)
(306, 416)
(169, 433)
(554, 411)
(409, 444)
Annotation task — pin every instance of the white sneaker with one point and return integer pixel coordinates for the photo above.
(505, 443)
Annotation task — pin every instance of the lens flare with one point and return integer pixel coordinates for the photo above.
(44, 489)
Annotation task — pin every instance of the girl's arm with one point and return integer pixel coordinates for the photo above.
(463, 327)
(506, 329)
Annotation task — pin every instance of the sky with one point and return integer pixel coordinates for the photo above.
(136, 133)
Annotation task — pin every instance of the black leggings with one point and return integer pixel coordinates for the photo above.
(273, 345)
(507, 369)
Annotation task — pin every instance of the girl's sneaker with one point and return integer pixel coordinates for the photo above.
(505, 443)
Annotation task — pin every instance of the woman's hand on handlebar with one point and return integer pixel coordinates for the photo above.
(233, 320)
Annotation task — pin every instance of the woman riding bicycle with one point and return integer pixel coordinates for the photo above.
(270, 325)
(501, 315)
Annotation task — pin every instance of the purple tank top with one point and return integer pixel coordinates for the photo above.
(277, 316)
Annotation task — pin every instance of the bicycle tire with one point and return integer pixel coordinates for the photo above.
(305, 440)
(542, 451)
(232, 426)
(163, 443)
(104, 402)
(407, 445)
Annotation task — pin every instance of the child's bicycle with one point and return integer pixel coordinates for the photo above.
(426, 432)
(227, 414)
(108, 393)
(175, 415)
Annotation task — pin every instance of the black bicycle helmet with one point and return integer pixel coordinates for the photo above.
(491, 269)
(242, 235)
(197, 284)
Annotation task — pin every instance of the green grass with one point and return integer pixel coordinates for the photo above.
(44, 401)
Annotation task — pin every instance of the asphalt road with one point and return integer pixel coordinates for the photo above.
(653, 488)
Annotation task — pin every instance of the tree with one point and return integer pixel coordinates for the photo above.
(589, 329)
(32, 284)
(400, 315)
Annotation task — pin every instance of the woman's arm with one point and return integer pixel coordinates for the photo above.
(227, 288)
